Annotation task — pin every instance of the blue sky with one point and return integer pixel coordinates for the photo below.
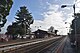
(36, 7)
(41, 11)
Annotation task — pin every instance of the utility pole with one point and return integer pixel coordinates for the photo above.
(75, 34)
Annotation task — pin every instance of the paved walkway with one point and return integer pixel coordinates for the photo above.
(68, 48)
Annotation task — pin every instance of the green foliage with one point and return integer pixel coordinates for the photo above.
(12, 30)
(56, 32)
(51, 29)
(22, 24)
(24, 18)
(5, 6)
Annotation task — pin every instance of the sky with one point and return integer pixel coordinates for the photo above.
(45, 13)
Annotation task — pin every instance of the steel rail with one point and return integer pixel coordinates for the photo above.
(26, 44)
(52, 47)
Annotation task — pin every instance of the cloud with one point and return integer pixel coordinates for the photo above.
(57, 0)
(3, 29)
(38, 24)
(77, 6)
(53, 7)
(52, 17)
(56, 18)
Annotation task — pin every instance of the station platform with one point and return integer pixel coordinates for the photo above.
(68, 48)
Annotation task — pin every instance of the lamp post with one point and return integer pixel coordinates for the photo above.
(63, 6)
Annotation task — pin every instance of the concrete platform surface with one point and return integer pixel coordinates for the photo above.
(68, 48)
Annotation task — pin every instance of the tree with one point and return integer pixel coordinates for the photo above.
(24, 19)
(11, 31)
(51, 29)
(5, 6)
(22, 23)
(56, 32)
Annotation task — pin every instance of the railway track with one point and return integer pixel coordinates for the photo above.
(55, 47)
(19, 43)
(49, 47)
(39, 46)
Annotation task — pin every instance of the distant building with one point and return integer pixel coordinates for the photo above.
(42, 34)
